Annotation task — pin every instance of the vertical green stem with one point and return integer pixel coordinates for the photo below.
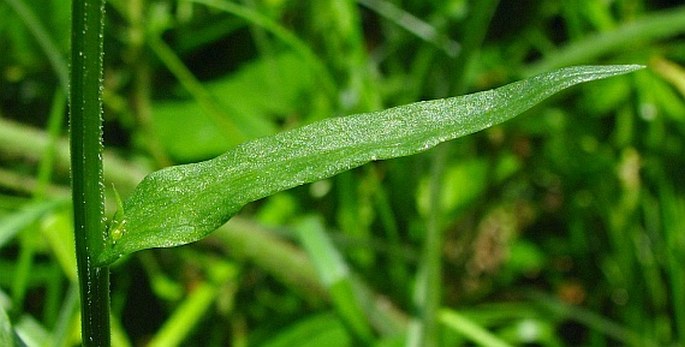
(85, 104)
(142, 80)
(480, 14)
(427, 293)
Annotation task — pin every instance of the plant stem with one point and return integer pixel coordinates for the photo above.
(425, 330)
(85, 106)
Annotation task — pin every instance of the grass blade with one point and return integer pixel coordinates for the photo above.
(470, 329)
(46, 42)
(335, 276)
(182, 204)
(177, 328)
(658, 25)
(284, 35)
(412, 24)
(7, 337)
(14, 223)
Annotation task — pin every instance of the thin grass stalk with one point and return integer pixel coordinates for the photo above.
(142, 80)
(673, 207)
(45, 41)
(427, 295)
(85, 105)
(28, 246)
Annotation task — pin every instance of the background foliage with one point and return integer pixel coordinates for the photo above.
(561, 227)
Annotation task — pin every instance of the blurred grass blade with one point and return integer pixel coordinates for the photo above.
(184, 203)
(45, 41)
(263, 247)
(284, 35)
(335, 275)
(313, 331)
(673, 210)
(14, 223)
(235, 126)
(594, 321)
(177, 328)
(7, 337)
(31, 332)
(669, 71)
(413, 24)
(655, 26)
(470, 330)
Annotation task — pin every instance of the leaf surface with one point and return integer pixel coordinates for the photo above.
(182, 204)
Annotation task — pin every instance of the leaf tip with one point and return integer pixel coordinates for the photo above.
(632, 67)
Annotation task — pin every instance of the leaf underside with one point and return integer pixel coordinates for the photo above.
(182, 204)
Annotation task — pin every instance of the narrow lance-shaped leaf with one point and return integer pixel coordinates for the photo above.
(182, 204)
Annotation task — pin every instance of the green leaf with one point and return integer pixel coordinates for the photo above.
(182, 204)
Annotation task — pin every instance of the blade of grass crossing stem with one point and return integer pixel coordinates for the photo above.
(335, 276)
(184, 203)
(85, 107)
(469, 329)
